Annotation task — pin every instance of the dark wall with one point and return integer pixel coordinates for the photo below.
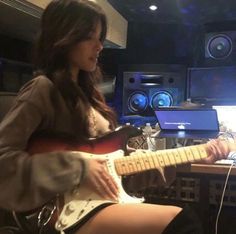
(155, 44)
(15, 49)
(168, 44)
(147, 43)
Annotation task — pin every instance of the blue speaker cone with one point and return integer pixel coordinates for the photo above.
(161, 98)
(220, 46)
(137, 102)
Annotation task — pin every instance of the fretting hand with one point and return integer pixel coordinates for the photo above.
(217, 149)
(100, 180)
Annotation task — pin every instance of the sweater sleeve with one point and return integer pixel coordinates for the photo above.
(28, 181)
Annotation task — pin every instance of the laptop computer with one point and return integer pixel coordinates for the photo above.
(187, 123)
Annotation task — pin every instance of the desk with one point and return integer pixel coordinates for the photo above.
(201, 186)
(213, 169)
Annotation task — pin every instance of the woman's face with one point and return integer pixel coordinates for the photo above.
(84, 54)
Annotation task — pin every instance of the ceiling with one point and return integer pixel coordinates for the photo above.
(177, 11)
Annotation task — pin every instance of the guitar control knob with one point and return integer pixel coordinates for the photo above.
(62, 222)
(71, 207)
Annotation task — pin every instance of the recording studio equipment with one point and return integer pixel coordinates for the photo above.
(212, 85)
(144, 91)
(147, 87)
(220, 48)
(148, 90)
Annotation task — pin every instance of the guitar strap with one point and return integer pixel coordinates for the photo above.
(36, 222)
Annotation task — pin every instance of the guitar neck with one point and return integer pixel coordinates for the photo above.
(146, 160)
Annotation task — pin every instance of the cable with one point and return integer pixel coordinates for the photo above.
(222, 198)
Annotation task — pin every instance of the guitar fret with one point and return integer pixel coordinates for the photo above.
(161, 161)
(147, 161)
(202, 152)
(155, 160)
(124, 166)
(195, 153)
(192, 152)
(143, 162)
(175, 156)
(173, 162)
(179, 152)
(178, 156)
(138, 164)
(189, 154)
(119, 167)
(152, 165)
(184, 155)
(139, 168)
(130, 165)
(150, 155)
(140, 160)
(166, 159)
(135, 165)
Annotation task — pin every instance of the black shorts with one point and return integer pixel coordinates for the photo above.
(77, 226)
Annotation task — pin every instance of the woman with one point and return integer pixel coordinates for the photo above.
(63, 98)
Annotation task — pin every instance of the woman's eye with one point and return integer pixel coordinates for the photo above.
(92, 37)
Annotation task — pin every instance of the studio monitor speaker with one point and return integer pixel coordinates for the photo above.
(220, 48)
(144, 92)
(141, 88)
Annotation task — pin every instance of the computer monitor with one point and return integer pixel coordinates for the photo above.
(214, 85)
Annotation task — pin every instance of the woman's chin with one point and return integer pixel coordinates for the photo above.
(92, 68)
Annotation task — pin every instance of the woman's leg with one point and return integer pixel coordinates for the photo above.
(130, 219)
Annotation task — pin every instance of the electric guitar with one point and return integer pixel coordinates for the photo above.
(77, 205)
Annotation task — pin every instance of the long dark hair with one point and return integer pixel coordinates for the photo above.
(64, 23)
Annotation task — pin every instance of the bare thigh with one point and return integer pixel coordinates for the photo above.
(130, 219)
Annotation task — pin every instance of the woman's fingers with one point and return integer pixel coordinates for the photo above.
(217, 149)
(109, 183)
(220, 148)
(223, 148)
(109, 188)
(103, 182)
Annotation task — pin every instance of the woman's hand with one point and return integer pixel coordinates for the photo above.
(216, 149)
(99, 180)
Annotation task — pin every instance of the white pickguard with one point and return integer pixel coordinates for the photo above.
(81, 202)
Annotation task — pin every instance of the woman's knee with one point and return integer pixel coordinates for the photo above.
(168, 213)
(175, 210)
(185, 222)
